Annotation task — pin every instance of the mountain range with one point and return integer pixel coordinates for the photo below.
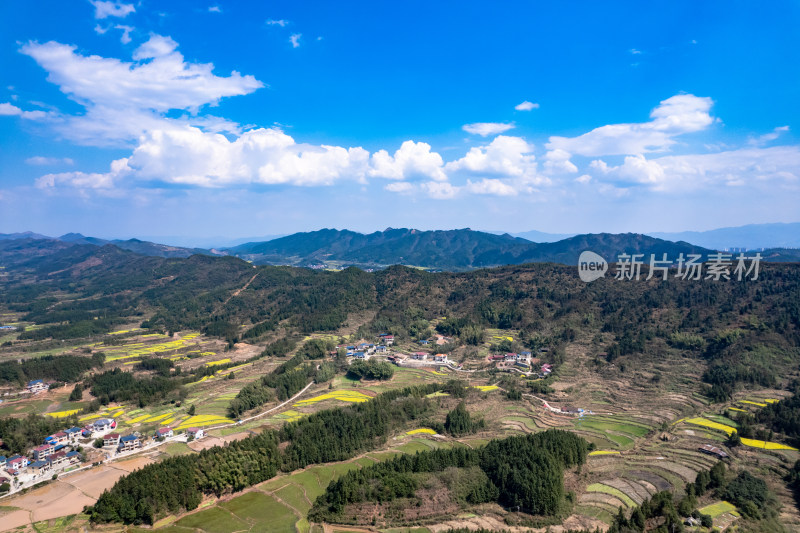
(455, 250)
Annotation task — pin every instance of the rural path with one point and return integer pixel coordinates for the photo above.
(243, 420)
(239, 290)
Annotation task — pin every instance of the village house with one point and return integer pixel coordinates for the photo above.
(713, 450)
(62, 437)
(36, 386)
(112, 439)
(129, 443)
(360, 355)
(42, 452)
(424, 342)
(381, 349)
(73, 434)
(73, 457)
(164, 432)
(58, 459)
(3, 460)
(388, 340)
(510, 358)
(40, 467)
(104, 424)
(441, 339)
(16, 462)
(440, 358)
(196, 433)
(419, 356)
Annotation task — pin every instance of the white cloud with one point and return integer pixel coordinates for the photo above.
(85, 180)
(491, 186)
(485, 129)
(400, 187)
(124, 99)
(745, 166)
(768, 137)
(558, 162)
(41, 160)
(526, 106)
(683, 113)
(635, 52)
(295, 39)
(125, 38)
(282, 23)
(411, 160)
(263, 156)
(440, 190)
(100, 30)
(584, 178)
(7, 109)
(111, 9)
(600, 165)
(155, 46)
(215, 9)
(505, 156)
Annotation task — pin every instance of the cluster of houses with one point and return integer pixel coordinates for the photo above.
(36, 386)
(364, 350)
(425, 356)
(58, 450)
(523, 360)
(438, 340)
(55, 454)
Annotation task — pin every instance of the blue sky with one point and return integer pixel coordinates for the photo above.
(234, 119)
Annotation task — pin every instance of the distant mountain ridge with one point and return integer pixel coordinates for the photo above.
(751, 236)
(461, 249)
(133, 245)
(454, 250)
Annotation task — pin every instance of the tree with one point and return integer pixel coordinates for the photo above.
(192, 410)
(733, 440)
(77, 393)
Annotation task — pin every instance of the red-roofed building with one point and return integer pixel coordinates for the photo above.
(112, 439)
(41, 453)
(164, 432)
(196, 433)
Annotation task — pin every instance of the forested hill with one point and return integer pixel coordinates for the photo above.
(134, 245)
(85, 290)
(461, 249)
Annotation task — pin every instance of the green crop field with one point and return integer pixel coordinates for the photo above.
(262, 510)
(215, 519)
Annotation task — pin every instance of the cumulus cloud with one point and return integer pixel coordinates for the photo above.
(295, 39)
(745, 166)
(214, 9)
(485, 129)
(440, 190)
(85, 180)
(282, 23)
(400, 187)
(558, 162)
(42, 161)
(526, 106)
(125, 38)
(506, 156)
(125, 99)
(411, 160)
(104, 9)
(8, 109)
(491, 186)
(683, 113)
